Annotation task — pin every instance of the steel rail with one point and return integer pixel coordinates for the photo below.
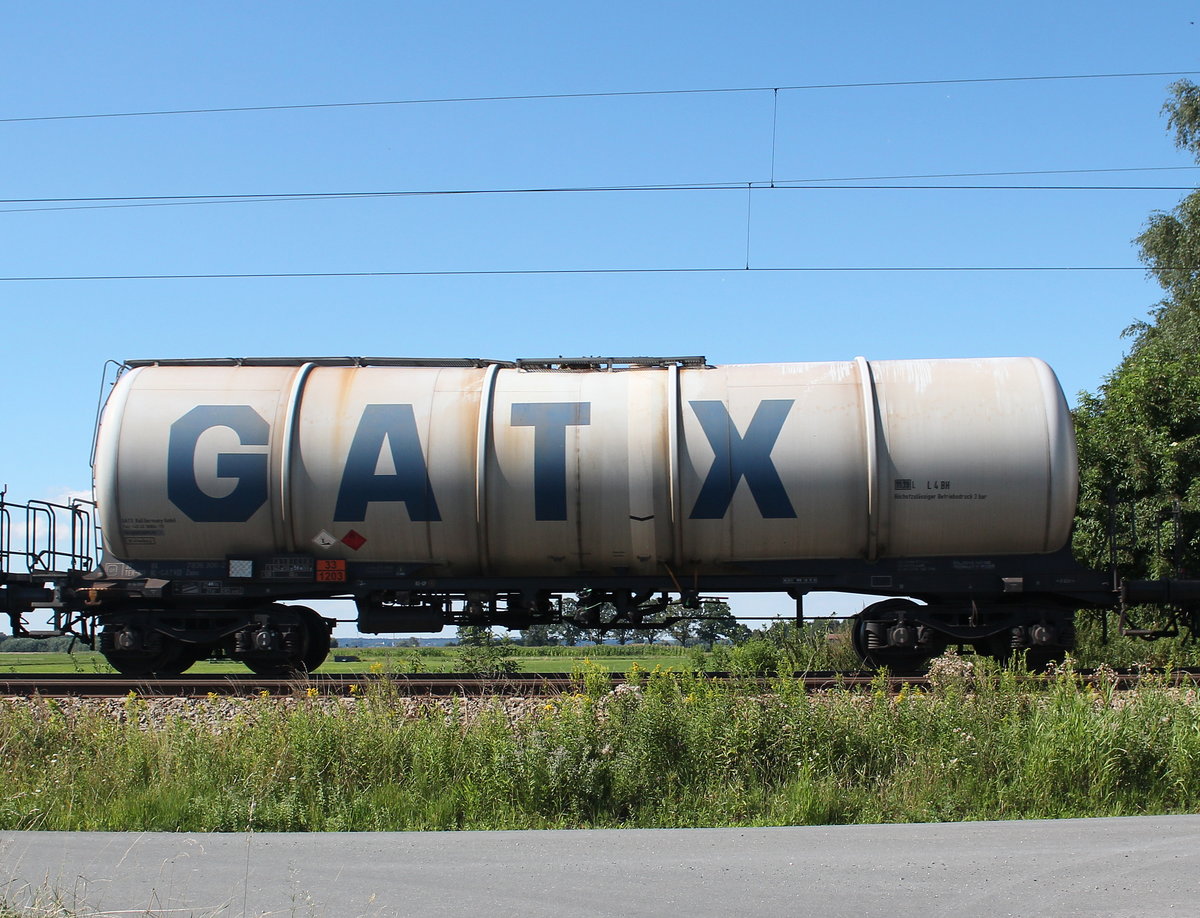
(51, 685)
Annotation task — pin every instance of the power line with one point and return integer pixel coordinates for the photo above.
(933, 175)
(597, 95)
(789, 187)
(817, 184)
(529, 272)
(784, 185)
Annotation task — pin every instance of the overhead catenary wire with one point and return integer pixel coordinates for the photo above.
(875, 84)
(828, 184)
(483, 272)
(21, 205)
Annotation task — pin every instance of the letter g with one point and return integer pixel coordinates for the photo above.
(250, 469)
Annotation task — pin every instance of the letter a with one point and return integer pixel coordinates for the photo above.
(362, 484)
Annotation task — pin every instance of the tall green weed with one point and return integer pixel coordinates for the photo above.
(662, 749)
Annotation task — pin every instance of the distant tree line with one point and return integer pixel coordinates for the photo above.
(717, 626)
(9, 644)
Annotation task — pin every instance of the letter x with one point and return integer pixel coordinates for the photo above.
(737, 457)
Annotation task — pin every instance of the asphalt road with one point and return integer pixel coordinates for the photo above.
(1145, 866)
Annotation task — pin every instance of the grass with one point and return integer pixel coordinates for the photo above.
(393, 659)
(662, 751)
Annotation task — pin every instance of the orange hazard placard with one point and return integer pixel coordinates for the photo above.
(331, 571)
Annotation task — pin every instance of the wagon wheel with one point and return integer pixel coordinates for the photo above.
(1037, 659)
(314, 648)
(170, 660)
(317, 639)
(899, 661)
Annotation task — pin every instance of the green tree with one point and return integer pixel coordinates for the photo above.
(721, 625)
(38, 645)
(568, 634)
(489, 659)
(475, 636)
(538, 636)
(1139, 434)
(683, 632)
(624, 636)
(717, 622)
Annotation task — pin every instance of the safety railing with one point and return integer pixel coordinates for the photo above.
(41, 537)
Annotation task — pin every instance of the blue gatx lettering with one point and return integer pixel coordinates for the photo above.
(737, 457)
(409, 483)
(250, 469)
(550, 421)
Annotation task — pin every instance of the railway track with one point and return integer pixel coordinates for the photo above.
(421, 684)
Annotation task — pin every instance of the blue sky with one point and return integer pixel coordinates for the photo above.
(77, 59)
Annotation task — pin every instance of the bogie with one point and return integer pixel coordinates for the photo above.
(133, 652)
(903, 636)
(273, 640)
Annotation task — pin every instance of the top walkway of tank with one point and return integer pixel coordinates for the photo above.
(524, 363)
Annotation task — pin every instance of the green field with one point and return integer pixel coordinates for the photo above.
(389, 659)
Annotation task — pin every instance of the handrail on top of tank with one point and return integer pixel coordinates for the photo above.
(475, 362)
(608, 363)
(524, 363)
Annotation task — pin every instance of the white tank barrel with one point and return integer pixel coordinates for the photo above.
(499, 470)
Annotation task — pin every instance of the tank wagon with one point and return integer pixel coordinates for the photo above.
(437, 492)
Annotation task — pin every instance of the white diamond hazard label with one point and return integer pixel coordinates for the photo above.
(324, 539)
